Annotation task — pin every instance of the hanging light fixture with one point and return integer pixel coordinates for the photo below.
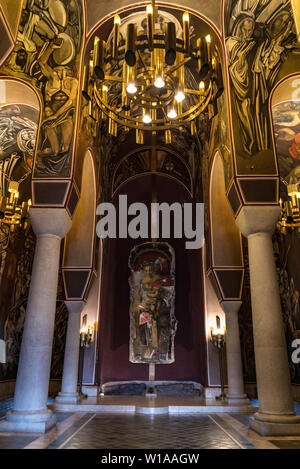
(154, 96)
(147, 118)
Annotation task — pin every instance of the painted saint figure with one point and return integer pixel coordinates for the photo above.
(153, 323)
(239, 46)
(60, 101)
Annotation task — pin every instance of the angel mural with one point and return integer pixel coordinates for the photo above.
(60, 101)
(268, 60)
(47, 53)
(152, 288)
(239, 46)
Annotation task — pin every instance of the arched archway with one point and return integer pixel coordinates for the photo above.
(225, 257)
(190, 353)
(79, 251)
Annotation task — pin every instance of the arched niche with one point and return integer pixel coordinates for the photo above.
(19, 122)
(225, 239)
(79, 244)
(138, 162)
(79, 249)
(190, 340)
(16, 92)
(225, 236)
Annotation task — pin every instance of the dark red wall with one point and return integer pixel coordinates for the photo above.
(190, 349)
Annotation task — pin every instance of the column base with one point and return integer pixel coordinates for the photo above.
(241, 399)
(28, 422)
(275, 425)
(67, 397)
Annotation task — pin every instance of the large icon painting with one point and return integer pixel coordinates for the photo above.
(152, 290)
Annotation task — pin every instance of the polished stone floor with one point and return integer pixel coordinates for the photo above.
(87, 430)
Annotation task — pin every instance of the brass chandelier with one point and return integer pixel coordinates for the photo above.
(151, 90)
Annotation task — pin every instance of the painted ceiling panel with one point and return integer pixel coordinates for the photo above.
(96, 10)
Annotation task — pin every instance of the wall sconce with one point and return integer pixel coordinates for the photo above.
(290, 210)
(86, 333)
(86, 338)
(12, 212)
(218, 340)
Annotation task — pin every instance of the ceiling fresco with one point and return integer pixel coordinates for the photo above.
(98, 10)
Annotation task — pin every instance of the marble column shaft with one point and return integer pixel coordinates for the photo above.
(71, 359)
(276, 411)
(30, 411)
(236, 393)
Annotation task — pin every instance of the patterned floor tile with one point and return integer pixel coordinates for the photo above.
(142, 432)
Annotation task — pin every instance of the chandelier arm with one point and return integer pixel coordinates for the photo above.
(113, 78)
(128, 121)
(142, 60)
(197, 92)
(177, 66)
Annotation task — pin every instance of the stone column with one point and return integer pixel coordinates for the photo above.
(70, 373)
(236, 393)
(30, 413)
(276, 414)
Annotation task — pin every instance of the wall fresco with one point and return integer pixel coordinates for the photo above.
(259, 38)
(47, 53)
(18, 128)
(286, 118)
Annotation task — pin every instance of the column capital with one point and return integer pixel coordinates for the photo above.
(231, 306)
(50, 221)
(258, 219)
(75, 306)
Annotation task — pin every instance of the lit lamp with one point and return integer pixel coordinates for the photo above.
(294, 194)
(218, 340)
(150, 26)
(12, 212)
(86, 337)
(153, 77)
(290, 210)
(186, 31)
(202, 87)
(116, 36)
